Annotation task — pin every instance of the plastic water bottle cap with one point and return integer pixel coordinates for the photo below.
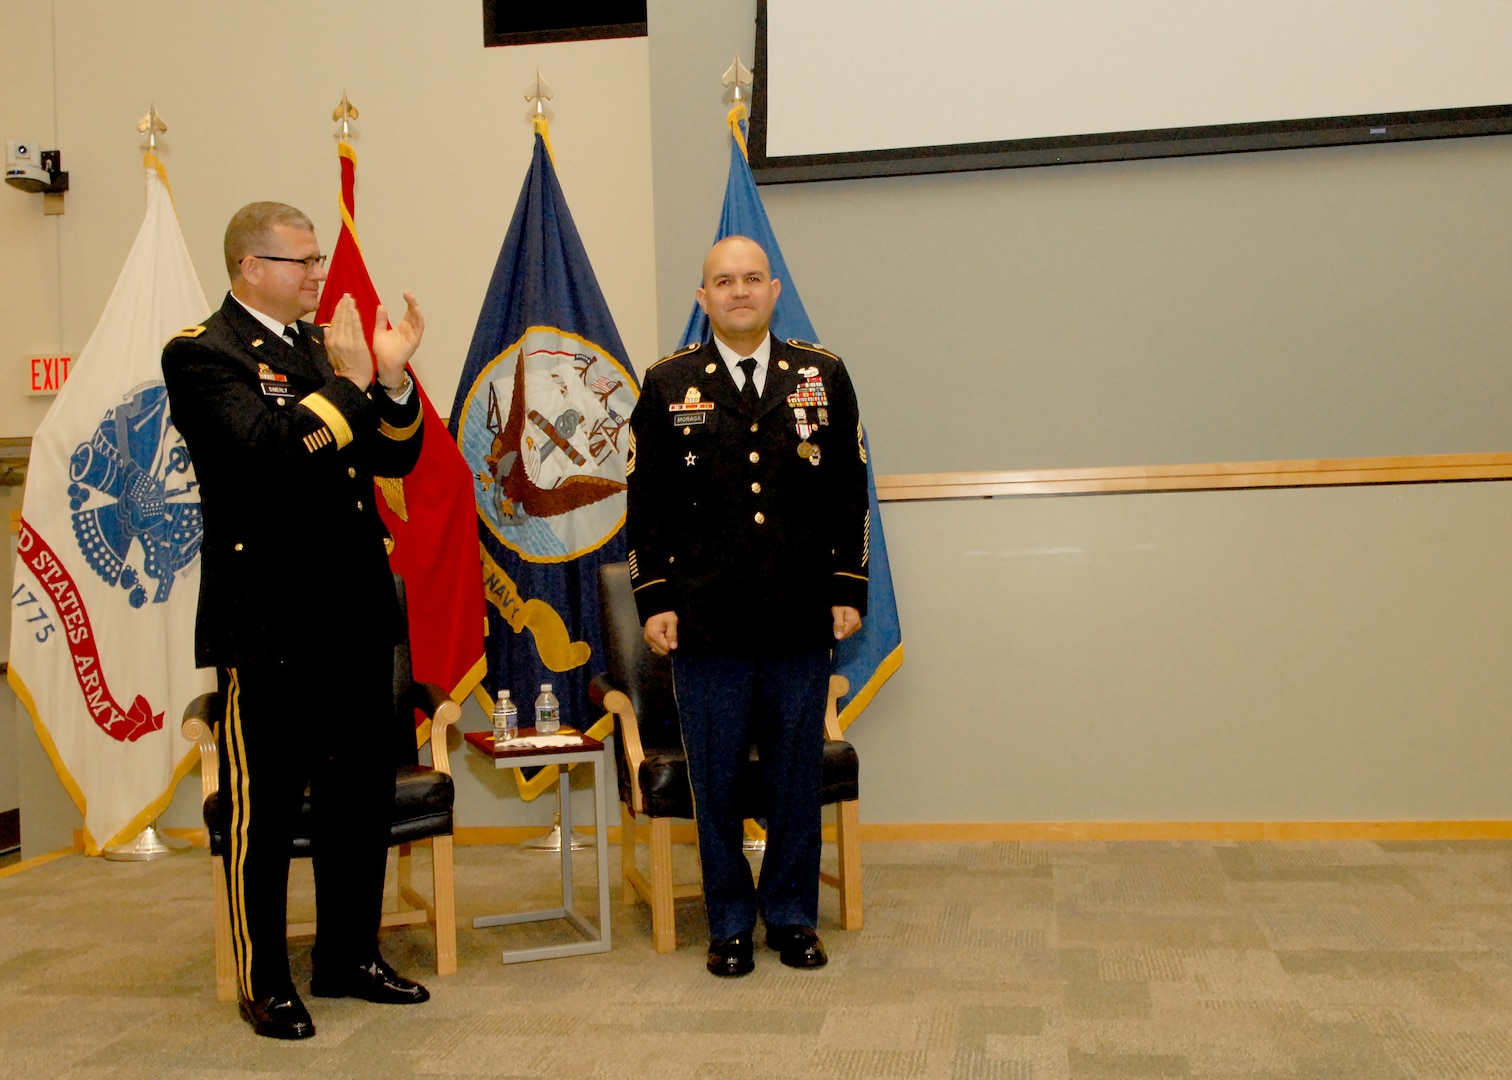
(545, 688)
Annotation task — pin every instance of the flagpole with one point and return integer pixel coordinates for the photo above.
(148, 844)
(738, 77)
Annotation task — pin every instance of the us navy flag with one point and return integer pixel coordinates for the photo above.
(542, 417)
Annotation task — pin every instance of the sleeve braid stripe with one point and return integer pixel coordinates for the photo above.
(866, 537)
(323, 408)
(316, 439)
(861, 442)
(399, 434)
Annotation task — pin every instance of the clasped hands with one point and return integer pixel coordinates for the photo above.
(661, 629)
(392, 345)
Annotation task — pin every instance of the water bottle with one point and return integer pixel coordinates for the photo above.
(506, 719)
(548, 711)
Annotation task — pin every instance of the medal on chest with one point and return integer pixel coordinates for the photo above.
(809, 395)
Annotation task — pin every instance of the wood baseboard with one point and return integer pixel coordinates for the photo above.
(1083, 831)
(1035, 831)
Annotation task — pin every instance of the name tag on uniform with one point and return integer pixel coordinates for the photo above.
(277, 390)
(686, 418)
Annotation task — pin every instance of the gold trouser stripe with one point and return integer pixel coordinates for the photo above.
(321, 407)
(236, 838)
(399, 434)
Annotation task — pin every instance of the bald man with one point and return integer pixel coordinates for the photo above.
(747, 524)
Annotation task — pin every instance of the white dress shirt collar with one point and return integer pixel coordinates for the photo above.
(267, 320)
(732, 361)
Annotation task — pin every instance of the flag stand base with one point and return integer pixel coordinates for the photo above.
(147, 845)
(551, 840)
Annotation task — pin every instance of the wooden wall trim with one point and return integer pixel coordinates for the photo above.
(1220, 476)
(1228, 831)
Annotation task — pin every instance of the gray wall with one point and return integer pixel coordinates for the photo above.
(1233, 656)
(1300, 304)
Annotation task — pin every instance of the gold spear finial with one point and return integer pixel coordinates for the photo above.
(737, 75)
(152, 126)
(539, 93)
(344, 114)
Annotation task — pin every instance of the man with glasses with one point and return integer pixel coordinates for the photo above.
(287, 426)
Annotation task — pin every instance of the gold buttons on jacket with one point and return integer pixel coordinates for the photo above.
(760, 517)
(687, 431)
(351, 472)
(280, 401)
(755, 457)
(756, 489)
(755, 427)
(236, 547)
(359, 504)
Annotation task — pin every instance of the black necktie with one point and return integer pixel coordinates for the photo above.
(748, 397)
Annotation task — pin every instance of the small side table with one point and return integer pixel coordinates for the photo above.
(591, 752)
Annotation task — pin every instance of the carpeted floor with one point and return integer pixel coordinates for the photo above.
(979, 961)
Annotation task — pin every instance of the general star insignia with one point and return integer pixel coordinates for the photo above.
(690, 459)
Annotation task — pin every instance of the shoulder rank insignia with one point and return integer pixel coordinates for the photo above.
(674, 356)
(811, 347)
(189, 332)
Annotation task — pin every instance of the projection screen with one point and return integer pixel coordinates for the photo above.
(848, 88)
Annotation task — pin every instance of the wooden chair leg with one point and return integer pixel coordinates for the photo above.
(443, 882)
(404, 876)
(848, 847)
(225, 962)
(663, 917)
(627, 854)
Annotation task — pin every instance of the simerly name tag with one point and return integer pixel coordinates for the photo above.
(277, 390)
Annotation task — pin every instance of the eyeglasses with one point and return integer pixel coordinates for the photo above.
(311, 263)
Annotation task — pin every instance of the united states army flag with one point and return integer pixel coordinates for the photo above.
(107, 569)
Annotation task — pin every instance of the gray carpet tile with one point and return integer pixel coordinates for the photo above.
(979, 961)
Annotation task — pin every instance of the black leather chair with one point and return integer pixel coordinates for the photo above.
(653, 770)
(423, 800)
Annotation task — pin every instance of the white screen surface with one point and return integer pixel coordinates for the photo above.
(846, 76)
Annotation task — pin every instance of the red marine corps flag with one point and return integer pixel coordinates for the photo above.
(107, 571)
(430, 512)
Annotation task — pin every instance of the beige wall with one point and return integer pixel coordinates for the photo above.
(247, 90)
(443, 144)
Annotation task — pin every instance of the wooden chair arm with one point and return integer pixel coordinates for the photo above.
(839, 686)
(443, 714)
(198, 726)
(627, 730)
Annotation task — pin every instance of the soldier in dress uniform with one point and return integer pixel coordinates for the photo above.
(287, 428)
(748, 525)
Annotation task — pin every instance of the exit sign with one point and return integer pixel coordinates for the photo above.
(47, 374)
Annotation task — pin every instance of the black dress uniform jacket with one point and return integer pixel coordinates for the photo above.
(750, 528)
(285, 452)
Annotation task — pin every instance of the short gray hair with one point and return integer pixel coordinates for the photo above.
(251, 228)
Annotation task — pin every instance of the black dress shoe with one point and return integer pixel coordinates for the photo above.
(731, 957)
(282, 1016)
(374, 981)
(799, 946)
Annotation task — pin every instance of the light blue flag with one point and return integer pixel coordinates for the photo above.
(868, 658)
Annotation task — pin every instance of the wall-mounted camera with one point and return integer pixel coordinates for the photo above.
(38, 172)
